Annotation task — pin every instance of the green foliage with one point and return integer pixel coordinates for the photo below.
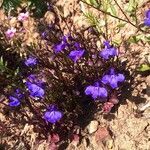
(95, 3)
(34, 5)
(3, 65)
(10, 4)
(140, 37)
(107, 6)
(94, 21)
(39, 5)
(144, 67)
(132, 5)
(4, 70)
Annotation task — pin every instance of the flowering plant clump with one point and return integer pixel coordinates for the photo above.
(58, 74)
(55, 87)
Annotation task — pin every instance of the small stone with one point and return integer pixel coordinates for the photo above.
(147, 80)
(92, 127)
(98, 44)
(109, 144)
(101, 134)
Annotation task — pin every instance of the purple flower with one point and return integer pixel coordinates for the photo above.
(14, 101)
(52, 115)
(18, 94)
(44, 34)
(147, 20)
(76, 54)
(108, 51)
(10, 32)
(33, 78)
(61, 46)
(96, 92)
(112, 79)
(31, 61)
(35, 90)
(23, 16)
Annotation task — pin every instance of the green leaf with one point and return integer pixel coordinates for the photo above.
(121, 25)
(10, 4)
(137, 38)
(94, 21)
(112, 10)
(3, 65)
(94, 3)
(117, 42)
(144, 67)
(91, 18)
(40, 7)
(16, 72)
(132, 5)
(132, 39)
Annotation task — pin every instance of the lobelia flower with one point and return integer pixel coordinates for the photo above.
(18, 94)
(10, 32)
(15, 99)
(33, 78)
(108, 51)
(52, 115)
(35, 90)
(76, 54)
(31, 61)
(112, 79)
(23, 16)
(61, 46)
(96, 91)
(147, 20)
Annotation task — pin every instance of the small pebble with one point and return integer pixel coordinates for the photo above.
(92, 127)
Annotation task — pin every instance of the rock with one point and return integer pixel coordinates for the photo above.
(101, 134)
(92, 127)
(147, 80)
(109, 144)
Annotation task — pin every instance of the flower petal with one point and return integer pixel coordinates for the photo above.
(52, 116)
(120, 77)
(13, 101)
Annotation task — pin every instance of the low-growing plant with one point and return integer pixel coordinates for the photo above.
(60, 76)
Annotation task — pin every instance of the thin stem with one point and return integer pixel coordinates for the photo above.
(105, 12)
(127, 21)
(125, 14)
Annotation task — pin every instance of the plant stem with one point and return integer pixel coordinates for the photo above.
(107, 13)
(128, 20)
